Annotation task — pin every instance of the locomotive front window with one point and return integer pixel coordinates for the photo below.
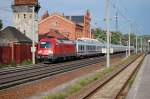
(45, 45)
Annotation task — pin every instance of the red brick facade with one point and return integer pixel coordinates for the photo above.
(68, 28)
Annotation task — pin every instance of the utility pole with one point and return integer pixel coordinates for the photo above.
(130, 26)
(116, 25)
(116, 19)
(136, 43)
(148, 45)
(108, 32)
(33, 49)
(141, 45)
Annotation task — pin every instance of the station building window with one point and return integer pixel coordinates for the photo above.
(24, 16)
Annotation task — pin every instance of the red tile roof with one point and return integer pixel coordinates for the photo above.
(25, 2)
(54, 34)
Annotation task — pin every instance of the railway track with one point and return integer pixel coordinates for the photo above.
(111, 85)
(11, 77)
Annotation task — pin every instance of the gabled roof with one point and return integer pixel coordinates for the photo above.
(57, 15)
(25, 2)
(76, 19)
(54, 34)
(11, 34)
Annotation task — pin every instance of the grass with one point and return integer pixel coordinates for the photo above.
(26, 62)
(85, 81)
(14, 64)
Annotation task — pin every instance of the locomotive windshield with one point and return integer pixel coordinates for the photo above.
(45, 45)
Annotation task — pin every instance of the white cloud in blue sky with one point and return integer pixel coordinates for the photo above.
(137, 10)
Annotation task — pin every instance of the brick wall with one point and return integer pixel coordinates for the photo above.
(65, 26)
(55, 22)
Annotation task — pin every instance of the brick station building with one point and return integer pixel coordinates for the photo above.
(72, 27)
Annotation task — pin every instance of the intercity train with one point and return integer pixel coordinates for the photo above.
(52, 49)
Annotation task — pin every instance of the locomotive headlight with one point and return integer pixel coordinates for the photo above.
(39, 52)
(50, 52)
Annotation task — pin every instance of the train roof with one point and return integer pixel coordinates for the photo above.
(87, 40)
(58, 40)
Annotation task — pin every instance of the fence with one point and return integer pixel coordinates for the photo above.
(15, 53)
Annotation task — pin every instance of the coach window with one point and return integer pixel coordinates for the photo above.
(87, 47)
(93, 47)
(83, 47)
(90, 48)
(79, 47)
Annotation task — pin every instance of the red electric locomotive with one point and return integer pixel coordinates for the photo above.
(51, 49)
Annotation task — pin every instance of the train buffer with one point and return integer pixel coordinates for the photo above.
(141, 86)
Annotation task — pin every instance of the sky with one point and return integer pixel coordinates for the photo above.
(129, 11)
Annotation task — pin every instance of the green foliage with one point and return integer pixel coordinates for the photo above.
(125, 38)
(26, 62)
(3, 65)
(100, 34)
(116, 37)
(1, 24)
(55, 96)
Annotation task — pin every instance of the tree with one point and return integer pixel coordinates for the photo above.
(126, 38)
(1, 24)
(100, 34)
(115, 37)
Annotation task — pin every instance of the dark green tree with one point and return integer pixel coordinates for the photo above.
(100, 34)
(125, 39)
(1, 24)
(116, 37)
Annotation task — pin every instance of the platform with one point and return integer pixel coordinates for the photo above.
(141, 86)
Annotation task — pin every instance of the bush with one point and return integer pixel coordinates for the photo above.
(56, 96)
(26, 62)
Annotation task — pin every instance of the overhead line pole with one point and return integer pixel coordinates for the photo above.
(108, 32)
(33, 36)
(141, 44)
(136, 43)
(116, 18)
(130, 26)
